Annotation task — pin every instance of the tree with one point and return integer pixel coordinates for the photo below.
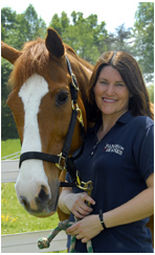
(84, 35)
(60, 24)
(8, 23)
(33, 26)
(120, 40)
(144, 38)
(8, 126)
(20, 28)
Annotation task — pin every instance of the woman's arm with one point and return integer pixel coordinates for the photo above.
(139, 207)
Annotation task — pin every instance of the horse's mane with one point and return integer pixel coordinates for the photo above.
(82, 61)
(35, 59)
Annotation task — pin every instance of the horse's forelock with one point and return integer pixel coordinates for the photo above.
(34, 59)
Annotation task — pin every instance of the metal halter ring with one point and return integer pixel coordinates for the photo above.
(62, 162)
(79, 116)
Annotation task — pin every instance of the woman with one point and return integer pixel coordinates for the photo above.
(118, 158)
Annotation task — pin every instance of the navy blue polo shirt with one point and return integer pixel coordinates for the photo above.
(118, 165)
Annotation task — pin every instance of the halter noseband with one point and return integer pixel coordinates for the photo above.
(60, 160)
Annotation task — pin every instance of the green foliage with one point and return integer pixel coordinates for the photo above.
(144, 37)
(10, 146)
(8, 23)
(20, 28)
(8, 127)
(84, 35)
(150, 89)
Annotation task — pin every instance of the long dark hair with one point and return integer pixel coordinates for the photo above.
(126, 65)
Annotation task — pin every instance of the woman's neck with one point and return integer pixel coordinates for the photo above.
(108, 121)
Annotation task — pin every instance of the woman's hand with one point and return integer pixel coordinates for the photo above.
(86, 229)
(79, 205)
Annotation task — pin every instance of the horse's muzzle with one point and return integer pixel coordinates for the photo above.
(44, 204)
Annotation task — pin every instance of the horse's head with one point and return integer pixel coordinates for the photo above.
(42, 107)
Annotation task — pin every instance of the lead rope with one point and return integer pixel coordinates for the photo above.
(44, 242)
(73, 243)
(63, 225)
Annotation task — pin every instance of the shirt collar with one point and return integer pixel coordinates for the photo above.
(125, 118)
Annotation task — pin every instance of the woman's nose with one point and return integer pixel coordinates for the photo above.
(110, 89)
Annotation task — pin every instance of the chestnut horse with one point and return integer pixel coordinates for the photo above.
(42, 105)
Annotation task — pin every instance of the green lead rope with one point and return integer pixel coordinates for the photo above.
(63, 225)
(44, 242)
(73, 243)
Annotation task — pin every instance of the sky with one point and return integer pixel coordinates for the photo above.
(114, 13)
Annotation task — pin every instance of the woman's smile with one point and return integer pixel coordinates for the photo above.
(108, 100)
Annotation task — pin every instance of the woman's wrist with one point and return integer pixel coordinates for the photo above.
(101, 218)
(63, 201)
(67, 200)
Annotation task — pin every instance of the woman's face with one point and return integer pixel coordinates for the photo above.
(111, 93)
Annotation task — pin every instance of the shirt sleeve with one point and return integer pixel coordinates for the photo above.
(144, 152)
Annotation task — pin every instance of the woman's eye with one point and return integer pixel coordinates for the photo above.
(120, 84)
(61, 98)
(103, 83)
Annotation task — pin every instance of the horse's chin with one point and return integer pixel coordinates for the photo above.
(44, 215)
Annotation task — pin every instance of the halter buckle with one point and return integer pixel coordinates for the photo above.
(62, 162)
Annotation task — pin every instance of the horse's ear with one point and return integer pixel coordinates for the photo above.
(54, 43)
(9, 53)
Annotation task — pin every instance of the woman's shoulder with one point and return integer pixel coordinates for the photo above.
(137, 125)
(142, 121)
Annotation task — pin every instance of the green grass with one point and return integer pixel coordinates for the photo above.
(14, 218)
(10, 146)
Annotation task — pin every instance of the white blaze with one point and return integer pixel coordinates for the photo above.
(31, 174)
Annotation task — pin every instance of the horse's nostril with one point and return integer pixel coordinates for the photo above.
(43, 196)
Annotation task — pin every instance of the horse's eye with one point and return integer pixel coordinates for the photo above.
(61, 98)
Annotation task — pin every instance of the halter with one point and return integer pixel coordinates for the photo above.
(61, 160)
